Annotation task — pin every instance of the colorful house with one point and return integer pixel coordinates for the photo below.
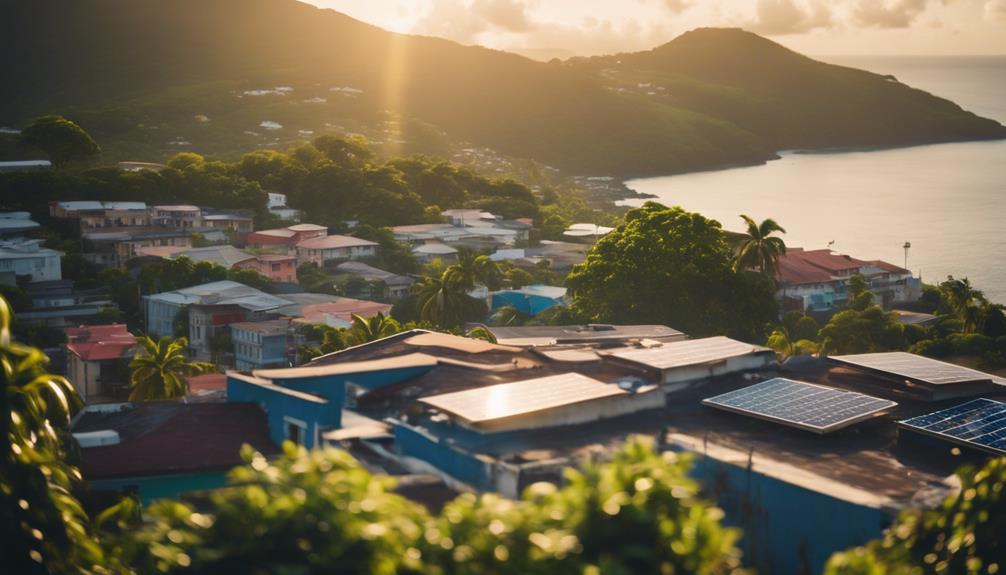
(98, 360)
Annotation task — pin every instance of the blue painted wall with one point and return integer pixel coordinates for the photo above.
(460, 465)
(787, 529)
(322, 414)
(162, 486)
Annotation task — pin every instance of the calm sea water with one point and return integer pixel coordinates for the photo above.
(948, 200)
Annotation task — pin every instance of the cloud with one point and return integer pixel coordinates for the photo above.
(780, 17)
(508, 24)
(995, 11)
(677, 6)
(881, 14)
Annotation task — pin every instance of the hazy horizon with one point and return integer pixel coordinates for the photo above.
(547, 28)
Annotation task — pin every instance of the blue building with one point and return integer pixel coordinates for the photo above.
(260, 344)
(301, 403)
(530, 300)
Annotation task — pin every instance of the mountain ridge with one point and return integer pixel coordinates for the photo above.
(139, 73)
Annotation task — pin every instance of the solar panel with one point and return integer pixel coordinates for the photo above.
(799, 404)
(688, 352)
(522, 397)
(980, 423)
(914, 367)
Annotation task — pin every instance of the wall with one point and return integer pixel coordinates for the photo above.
(461, 465)
(731, 365)
(162, 486)
(788, 528)
(281, 404)
(160, 316)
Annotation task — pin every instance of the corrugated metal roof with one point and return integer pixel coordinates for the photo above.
(348, 368)
(522, 397)
(915, 367)
(688, 352)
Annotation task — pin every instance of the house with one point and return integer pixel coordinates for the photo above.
(28, 259)
(211, 307)
(284, 240)
(322, 250)
(496, 418)
(818, 280)
(114, 246)
(529, 300)
(396, 286)
(233, 223)
(228, 257)
(92, 215)
(340, 313)
(587, 233)
(541, 336)
(164, 449)
(58, 304)
(428, 252)
(185, 217)
(16, 224)
(277, 207)
(261, 344)
(98, 361)
(276, 267)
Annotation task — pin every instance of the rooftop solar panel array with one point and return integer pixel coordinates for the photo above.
(802, 405)
(914, 367)
(688, 352)
(522, 397)
(980, 423)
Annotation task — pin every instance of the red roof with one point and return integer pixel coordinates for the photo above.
(801, 266)
(100, 342)
(207, 384)
(167, 437)
(344, 309)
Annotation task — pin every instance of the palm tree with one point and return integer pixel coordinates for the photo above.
(783, 343)
(760, 249)
(159, 369)
(366, 330)
(443, 299)
(488, 272)
(966, 302)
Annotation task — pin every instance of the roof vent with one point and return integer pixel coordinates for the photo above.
(101, 438)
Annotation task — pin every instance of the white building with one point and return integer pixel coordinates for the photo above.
(328, 248)
(28, 258)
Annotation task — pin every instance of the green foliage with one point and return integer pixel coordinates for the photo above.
(444, 302)
(669, 266)
(863, 331)
(963, 536)
(62, 140)
(365, 330)
(44, 528)
(760, 249)
(159, 368)
(309, 511)
(306, 512)
(482, 333)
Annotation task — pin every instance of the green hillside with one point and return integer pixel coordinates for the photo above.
(149, 78)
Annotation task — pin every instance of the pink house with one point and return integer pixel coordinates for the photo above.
(276, 267)
(284, 240)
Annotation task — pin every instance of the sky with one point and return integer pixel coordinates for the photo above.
(547, 28)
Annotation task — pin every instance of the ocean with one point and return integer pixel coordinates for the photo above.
(947, 200)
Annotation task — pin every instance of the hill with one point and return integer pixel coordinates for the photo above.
(149, 78)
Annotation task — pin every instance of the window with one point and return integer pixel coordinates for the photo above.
(296, 430)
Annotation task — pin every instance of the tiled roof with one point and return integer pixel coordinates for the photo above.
(164, 438)
(100, 342)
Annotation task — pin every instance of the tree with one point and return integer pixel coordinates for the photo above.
(313, 512)
(863, 331)
(62, 140)
(44, 528)
(366, 330)
(667, 265)
(760, 249)
(443, 299)
(159, 368)
(963, 535)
